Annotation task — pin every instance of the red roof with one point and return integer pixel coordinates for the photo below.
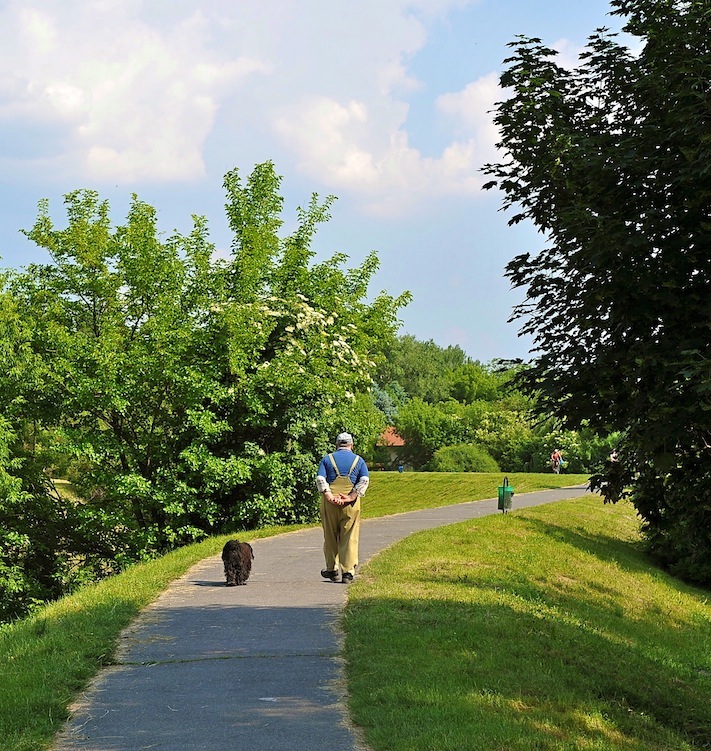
(390, 438)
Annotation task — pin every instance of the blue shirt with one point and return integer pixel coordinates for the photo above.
(344, 459)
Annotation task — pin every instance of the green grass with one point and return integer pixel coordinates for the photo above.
(394, 493)
(517, 625)
(544, 629)
(48, 658)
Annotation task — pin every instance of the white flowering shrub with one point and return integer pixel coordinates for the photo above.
(196, 393)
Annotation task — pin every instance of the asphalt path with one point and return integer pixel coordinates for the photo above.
(207, 667)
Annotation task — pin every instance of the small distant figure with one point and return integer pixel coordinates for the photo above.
(237, 557)
(614, 456)
(556, 461)
(400, 468)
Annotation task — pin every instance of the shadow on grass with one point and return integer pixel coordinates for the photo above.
(627, 554)
(497, 676)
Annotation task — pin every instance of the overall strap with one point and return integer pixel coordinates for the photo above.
(353, 466)
(335, 466)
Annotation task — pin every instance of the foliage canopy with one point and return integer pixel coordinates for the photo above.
(197, 393)
(611, 161)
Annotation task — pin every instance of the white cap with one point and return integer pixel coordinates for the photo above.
(344, 439)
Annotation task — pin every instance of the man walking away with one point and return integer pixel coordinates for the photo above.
(342, 480)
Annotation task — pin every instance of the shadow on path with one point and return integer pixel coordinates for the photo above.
(207, 666)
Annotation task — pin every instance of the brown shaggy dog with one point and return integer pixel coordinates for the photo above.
(237, 557)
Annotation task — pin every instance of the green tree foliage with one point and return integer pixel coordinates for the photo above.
(426, 427)
(472, 382)
(475, 403)
(421, 369)
(494, 425)
(478, 406)
(465, 457)
(610, 161)
(19, 584)
(48, 544)
(197, 393)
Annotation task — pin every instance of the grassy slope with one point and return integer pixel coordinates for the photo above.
(48, 658)
(543, 629)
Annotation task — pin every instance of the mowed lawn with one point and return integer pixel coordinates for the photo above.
(543, 629)
(395, 492)
(538, 629)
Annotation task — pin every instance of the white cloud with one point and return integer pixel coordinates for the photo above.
(38, 31)
(137, 101)
(65, 98)
(351, 129)
(473, 104)
(136, 89)
(342, 144)
(325, 135)
(568, 53)
(473, 110)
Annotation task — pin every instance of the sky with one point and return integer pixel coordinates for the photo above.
(385, 104)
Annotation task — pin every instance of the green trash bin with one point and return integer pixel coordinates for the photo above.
(505, 494)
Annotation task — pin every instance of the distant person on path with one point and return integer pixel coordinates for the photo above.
(556, 461)
(342, 480)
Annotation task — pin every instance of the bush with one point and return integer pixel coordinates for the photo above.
(466, 457)
(676, 513)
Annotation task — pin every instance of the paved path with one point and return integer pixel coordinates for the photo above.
(208, 668)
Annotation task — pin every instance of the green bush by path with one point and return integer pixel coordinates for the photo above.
(465, 457)
(545, 629)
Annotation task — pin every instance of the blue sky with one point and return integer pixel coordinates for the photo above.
(382, 103)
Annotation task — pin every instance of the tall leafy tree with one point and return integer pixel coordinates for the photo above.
(473, 382)
(421, 368)
(197, 392)
(316, 344)
(611, 162)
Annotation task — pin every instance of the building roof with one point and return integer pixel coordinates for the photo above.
(390, 438)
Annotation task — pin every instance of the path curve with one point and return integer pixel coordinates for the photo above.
(207, 667)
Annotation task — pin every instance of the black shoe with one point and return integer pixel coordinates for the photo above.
(346, 578)
(332, 575)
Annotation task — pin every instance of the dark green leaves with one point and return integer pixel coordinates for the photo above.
(610, 161)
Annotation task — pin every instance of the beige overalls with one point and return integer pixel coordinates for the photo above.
(341, 527)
